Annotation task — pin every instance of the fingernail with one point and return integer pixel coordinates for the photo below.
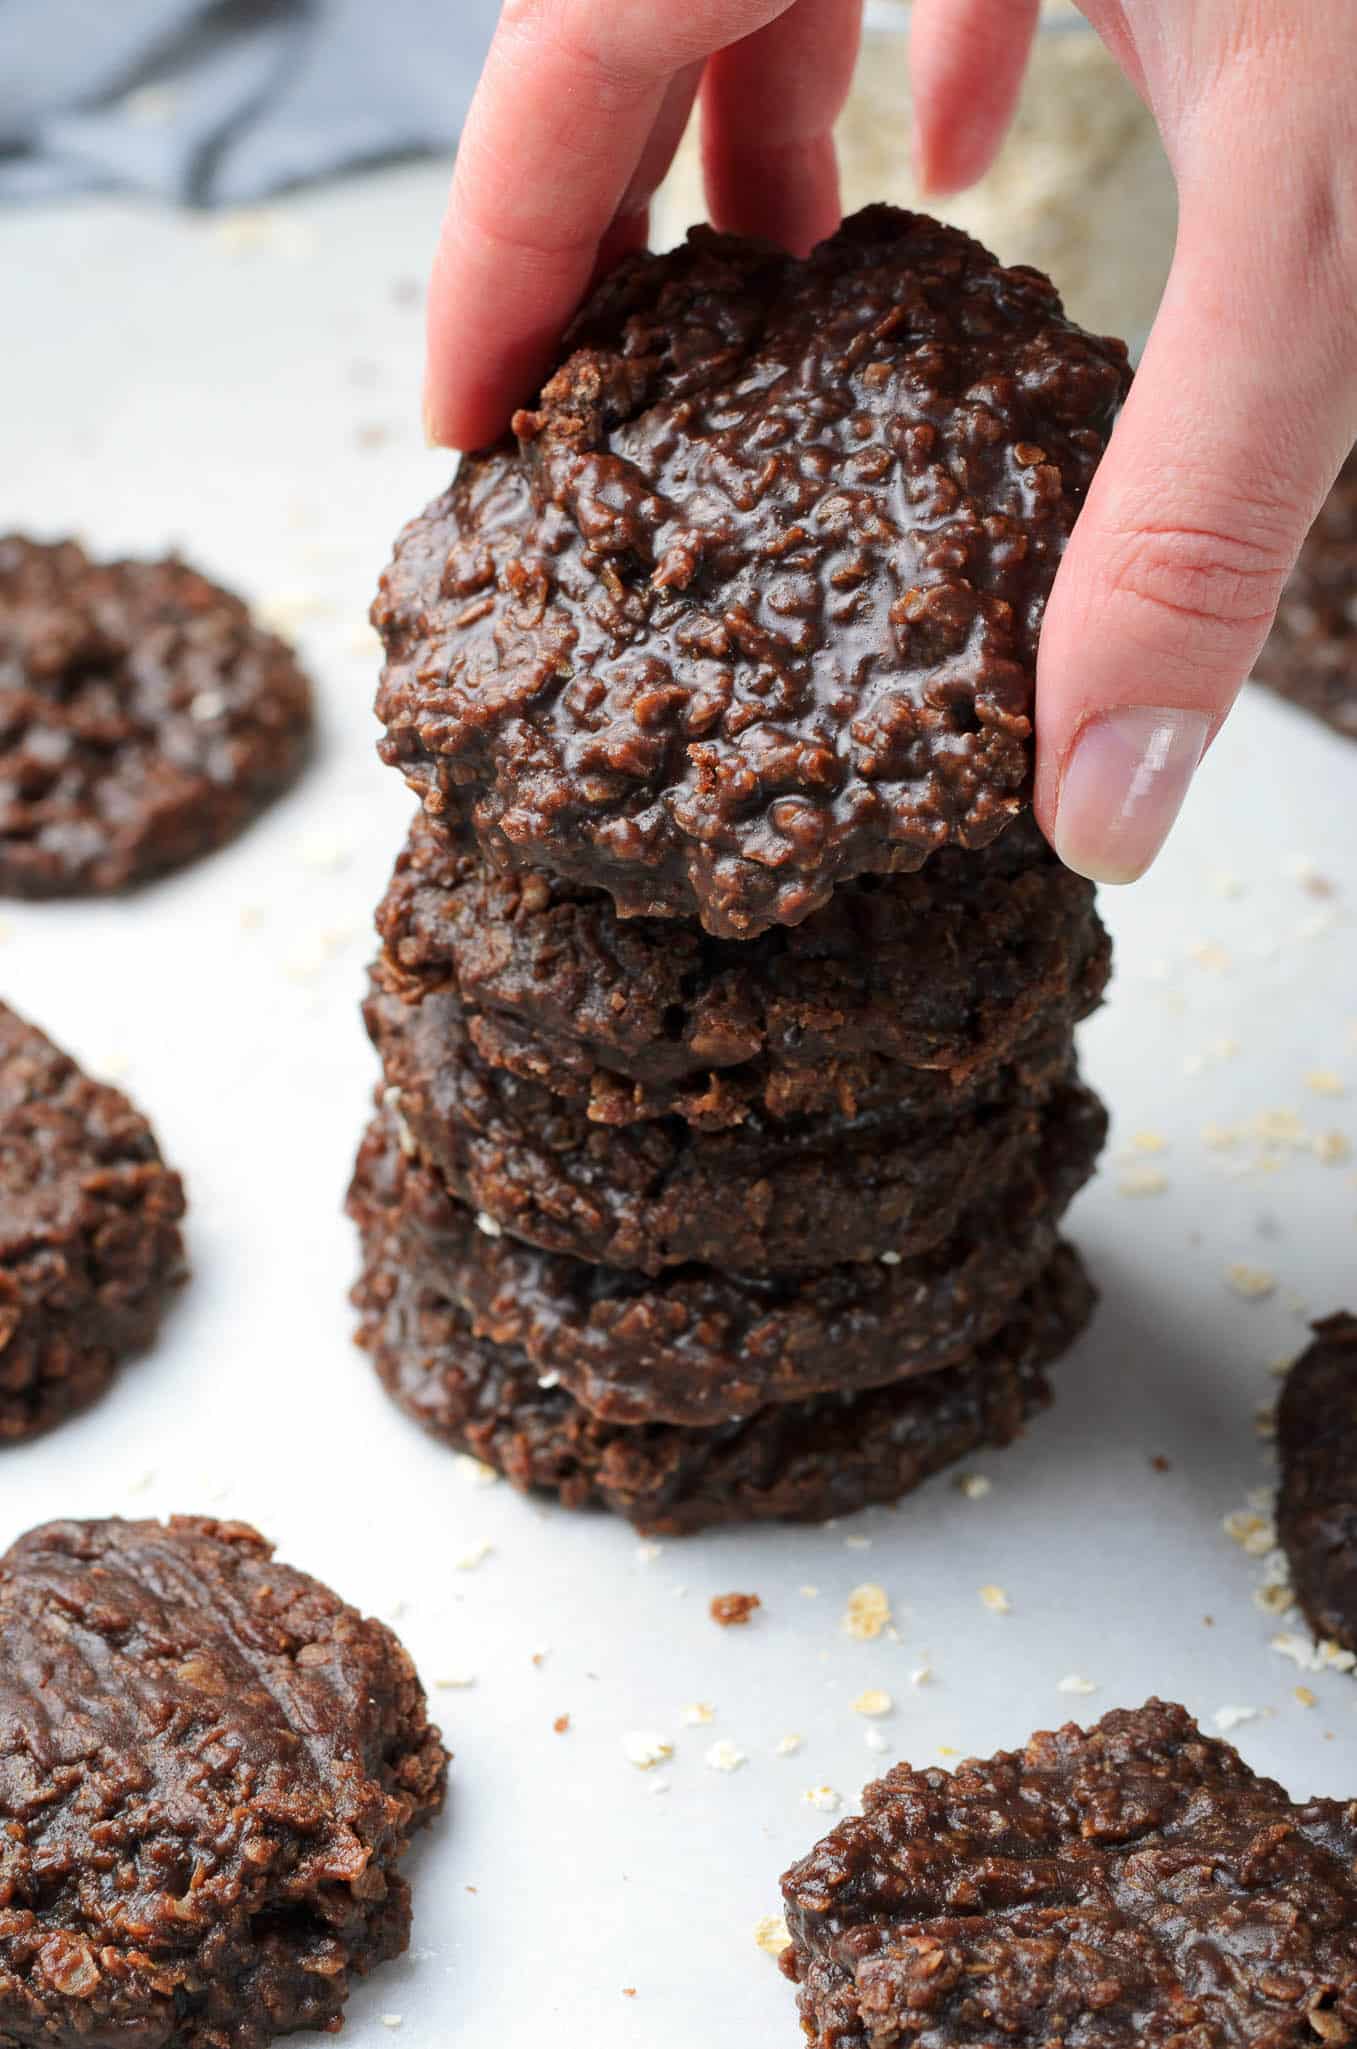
(1124, 786)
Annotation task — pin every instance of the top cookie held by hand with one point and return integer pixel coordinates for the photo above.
(749, 602)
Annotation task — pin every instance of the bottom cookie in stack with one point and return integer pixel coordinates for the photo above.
(803, 1459)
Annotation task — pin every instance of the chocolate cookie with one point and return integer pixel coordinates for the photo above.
(210, 1770)
(1311, 654)
(945, 975)
(800, 1461)
(143, 719)
(89, 1232)
(698, 1345)
(1317, 1502)
(1135, 1887)
(750, 603)
(764, 1197)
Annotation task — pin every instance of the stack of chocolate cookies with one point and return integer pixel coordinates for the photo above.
(727, 990)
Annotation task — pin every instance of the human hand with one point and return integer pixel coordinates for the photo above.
(1245, 404)
(575, 122)
(1246, 401)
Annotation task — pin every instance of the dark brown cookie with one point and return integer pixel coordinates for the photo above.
(1311, 654)
(764, 1197)
(945, 975)
(698, 1346)
(1135, 1887)
(210, 1771)
(1317, 1502)
(89, 1232)
(801, 1461)
(143, 719)
(750, 605)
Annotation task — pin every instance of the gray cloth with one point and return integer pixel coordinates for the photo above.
(222, 104)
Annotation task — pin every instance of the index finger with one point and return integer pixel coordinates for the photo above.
(570, 95)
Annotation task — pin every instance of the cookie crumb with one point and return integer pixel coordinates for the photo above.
(561, 1724)
(734, 1611)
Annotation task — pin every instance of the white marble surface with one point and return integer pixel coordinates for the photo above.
(248, 391)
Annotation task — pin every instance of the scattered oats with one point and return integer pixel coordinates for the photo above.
(1311, 1656)
(207, 704)
(1226, 885)
(1142, 1181)
(455, 1681)
(476, 1470)
(696, 1713)
(1223, 1049)
(1281, 1365)
(1193, 1063)
(1322, 1081)
(1265, 1422)
(391, 2020)
(787, 1746)
(646, 1553)
(724, 1757)
(1220, 1137)
(823, 1798)
(1228, 1718)
(1209, 953)
(548, 1381)
(1274, 1598)
(1332, 1148)
(1252, 1282)
(973, 1485)
(1255, 1534)
(286, 610)
(1317, 924)
(996, 1600)
(488, 1224)
(1306, 1696)
(660, 1785)
(890, 1258)
(142, 1482)
(477, 1555)
(1073, 1683)
(868, 1612)
(809, 1593)
(244, 229)
(948, 1750)
(1149, 1142)
(922, 1675)
(323, 851)
(875, 1739)
(770, 1935)
(857, 1543)
(645, 1750)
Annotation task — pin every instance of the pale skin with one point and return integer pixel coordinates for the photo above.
(1246, 401)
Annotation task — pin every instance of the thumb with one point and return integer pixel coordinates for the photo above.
(1241, 414)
